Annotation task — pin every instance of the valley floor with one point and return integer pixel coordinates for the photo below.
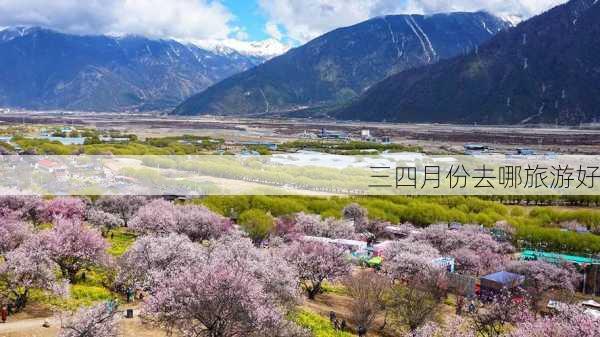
(433, 138)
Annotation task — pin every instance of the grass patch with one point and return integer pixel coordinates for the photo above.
(120, 239)
(334, 288)
(44, 226)
(81, 295)
(318, 325)
(85, 292)
(90, 294)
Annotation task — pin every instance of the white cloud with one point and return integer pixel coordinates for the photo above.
(195, 20)
(307, 19)
(272, 29)
(240, 33)
(180, 19)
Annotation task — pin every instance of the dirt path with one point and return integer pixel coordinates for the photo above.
(26, 324)
(32, 327)
(324, 303)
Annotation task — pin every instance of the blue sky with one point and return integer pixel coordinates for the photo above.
(291, 22)
(301, 20)
(250, 16)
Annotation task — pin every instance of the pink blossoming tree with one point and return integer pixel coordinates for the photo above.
(571, 321)
(285, 228)
(278, 277)
(151, 257)
(478, 262)
(162, 217)
(317, 262)
(103, 220)
(66, 208)
(313, 225)
(494, 318)
(405, 258)
(357, 214)
(13, 232)
(29, 208)
(234, 291)
(199, 223)
(156, 217)
(543, 277)
(453, 327)
(215, 299)
(474, 249)
(74, 246)
(468, 236)
(123, 206)
(96, 321)
(25, 268)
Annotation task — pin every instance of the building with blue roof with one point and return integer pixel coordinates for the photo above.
(493, 284)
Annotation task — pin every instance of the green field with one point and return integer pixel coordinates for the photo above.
(534, 225)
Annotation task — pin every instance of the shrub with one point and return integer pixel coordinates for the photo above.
(318, 325)
(257, 223)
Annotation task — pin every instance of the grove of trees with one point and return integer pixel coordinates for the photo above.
(203, 274)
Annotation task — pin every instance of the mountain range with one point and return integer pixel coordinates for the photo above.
(342, 64)
(447, 68)
(545, 70)
(45, 69)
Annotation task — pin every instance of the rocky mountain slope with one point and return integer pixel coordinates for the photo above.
(45, 69)
(545, 70)
(342, 64)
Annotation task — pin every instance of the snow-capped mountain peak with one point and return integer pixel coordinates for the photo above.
(266, 49)
(9, 33)
(513, 19)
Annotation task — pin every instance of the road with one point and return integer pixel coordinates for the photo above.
(34, 326)
(26, 324)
